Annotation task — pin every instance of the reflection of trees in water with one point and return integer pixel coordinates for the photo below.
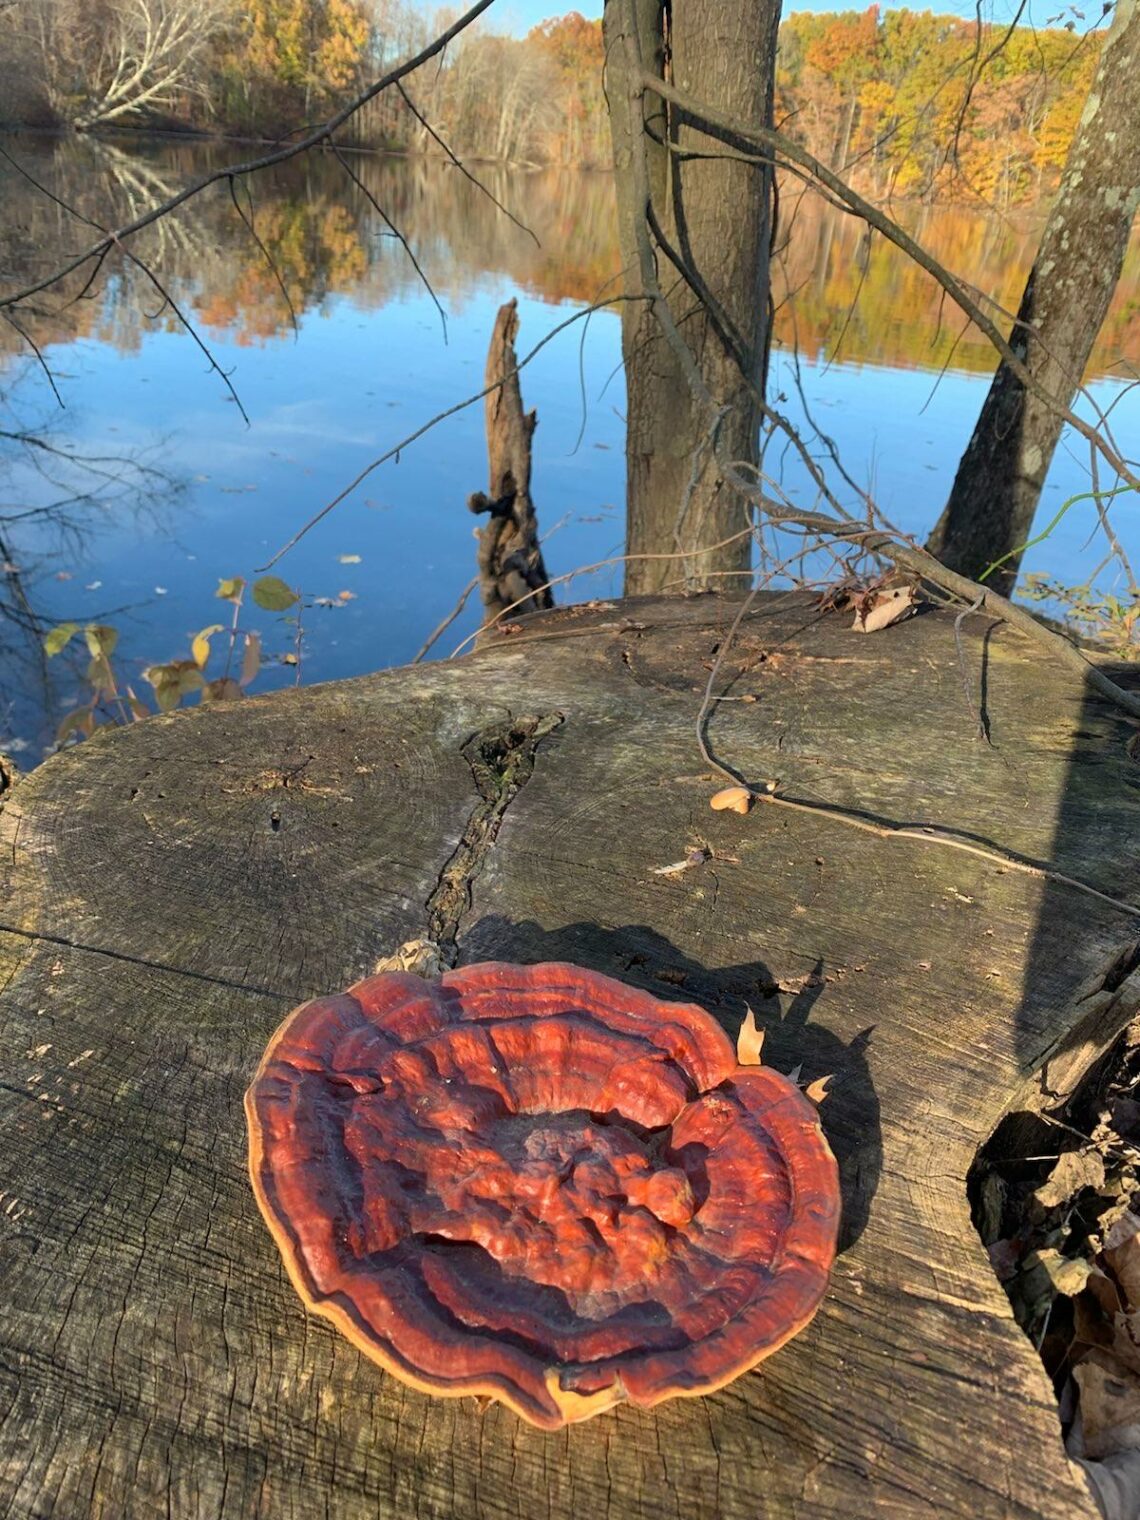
(880, 308)
(52, 500)
(326, 239)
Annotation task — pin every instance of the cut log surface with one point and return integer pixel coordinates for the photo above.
(175, 888)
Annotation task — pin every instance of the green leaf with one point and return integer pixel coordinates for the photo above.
(59, 637)
(164, 679)
(101, 640)
(173, 682)
(273, 594)
(231, 590)
(200, 644)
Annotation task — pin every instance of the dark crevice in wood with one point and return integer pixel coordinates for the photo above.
(136, 960)
(502, 759)
(1102, 1010)
(9, 775)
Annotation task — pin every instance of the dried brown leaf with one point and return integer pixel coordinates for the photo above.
(1105, 1291)
(750, 1041)
(737, 799)
(816, 1091)
(1091, 1326)
(1126, 1340)
(419, 956)
(879, 609)
(1068, 1274)
(1074, 1171)
(1110, 1405)
(1122, 1256)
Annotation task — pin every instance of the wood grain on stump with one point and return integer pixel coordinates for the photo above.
(175, 888)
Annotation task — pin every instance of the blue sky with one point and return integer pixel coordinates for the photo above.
(520, 15)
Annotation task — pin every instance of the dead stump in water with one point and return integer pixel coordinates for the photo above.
(512, 574)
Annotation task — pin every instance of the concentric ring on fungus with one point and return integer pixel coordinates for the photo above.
(539, 1184)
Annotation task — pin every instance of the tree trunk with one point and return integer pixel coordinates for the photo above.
(845, 139)
(998, 484)
(717, 216)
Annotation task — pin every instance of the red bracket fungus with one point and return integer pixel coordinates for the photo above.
(539, 1184)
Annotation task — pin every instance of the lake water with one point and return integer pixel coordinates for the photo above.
(154, 487)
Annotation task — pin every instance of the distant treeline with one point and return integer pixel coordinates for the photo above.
(905, 103)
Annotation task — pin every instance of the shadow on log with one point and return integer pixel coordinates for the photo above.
(511, 569)
(173, 889)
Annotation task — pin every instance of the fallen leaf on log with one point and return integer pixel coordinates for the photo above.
(1105, 1291)
(750, 1041)
(879, 609)
(736, 799)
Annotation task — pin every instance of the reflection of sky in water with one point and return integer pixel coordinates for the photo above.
(901, 432)
(356, 380)
(321, 408)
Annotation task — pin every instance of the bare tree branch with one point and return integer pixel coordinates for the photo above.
(782, 148)
(392, 228)
(461, 166)
(905, 556)
(397, 448)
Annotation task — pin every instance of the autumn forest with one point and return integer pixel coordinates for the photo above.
(908, 104)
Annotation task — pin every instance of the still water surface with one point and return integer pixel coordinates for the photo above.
(155, 486)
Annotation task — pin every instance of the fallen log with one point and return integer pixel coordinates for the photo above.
(175, 888)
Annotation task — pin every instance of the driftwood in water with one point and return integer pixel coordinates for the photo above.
(174, 888)
(511, 569)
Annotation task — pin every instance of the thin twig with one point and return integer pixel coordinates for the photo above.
(397, 448)
(442, 628)
(936, 834)
(190, 330)
(782, 148)
(702, 715)
(461, 166)
(34, 346)
(248, 220)
(393, 229)
(964, 669)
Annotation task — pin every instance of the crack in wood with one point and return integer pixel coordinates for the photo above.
(501, 758)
